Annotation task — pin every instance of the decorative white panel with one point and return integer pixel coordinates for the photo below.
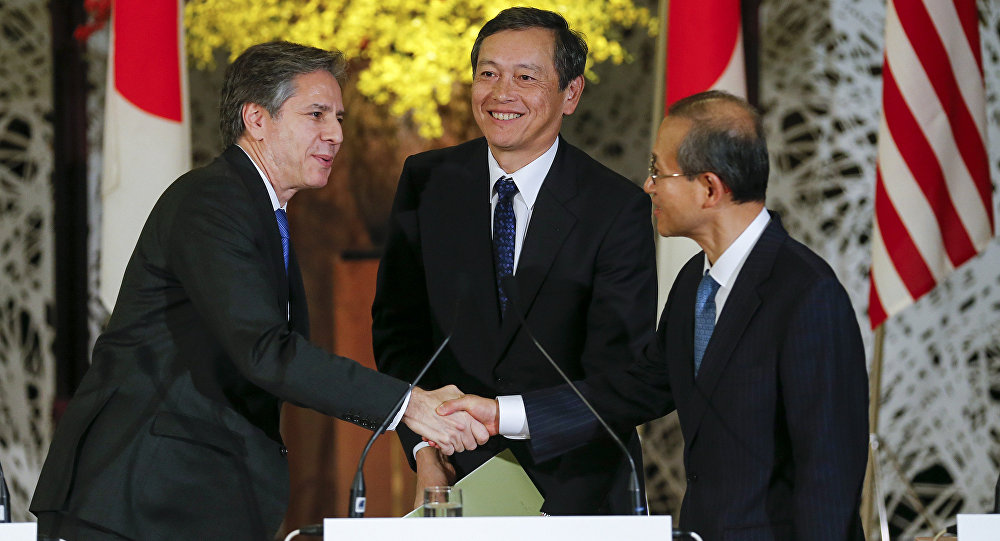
(27, 253)
(821, 94)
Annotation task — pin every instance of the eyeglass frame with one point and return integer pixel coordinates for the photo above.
(653, 175)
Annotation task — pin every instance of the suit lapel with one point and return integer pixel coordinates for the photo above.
(551, 221)
(267, 224)
(740, 307)
(454, 218)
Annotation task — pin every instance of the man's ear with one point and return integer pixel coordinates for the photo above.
(254, 117)
(572, 95)
(716, 189)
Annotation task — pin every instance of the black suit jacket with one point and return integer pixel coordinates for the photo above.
(586, 278)
(173, 433)
(775, 423)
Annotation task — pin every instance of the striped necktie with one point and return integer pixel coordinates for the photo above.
(283, 230)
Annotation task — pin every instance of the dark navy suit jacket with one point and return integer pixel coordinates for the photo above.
(775, 423)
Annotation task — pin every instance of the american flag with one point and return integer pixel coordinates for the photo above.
(933, 195)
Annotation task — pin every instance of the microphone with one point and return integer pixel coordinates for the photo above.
(357, 494)
(996, 498)
(638, 506)
(4, 499)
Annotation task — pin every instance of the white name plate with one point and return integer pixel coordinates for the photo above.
(19, 531)
(978, 527)
(500, 528)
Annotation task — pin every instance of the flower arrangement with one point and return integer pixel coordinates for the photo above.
(412, 52)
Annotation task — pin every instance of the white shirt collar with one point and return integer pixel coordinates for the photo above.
(270, 189)
(725, 270)
(528, 178)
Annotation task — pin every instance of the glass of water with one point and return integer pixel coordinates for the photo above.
(442, 502)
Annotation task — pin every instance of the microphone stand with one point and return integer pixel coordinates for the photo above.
(4, 499)
(638, 506)
(357, 496)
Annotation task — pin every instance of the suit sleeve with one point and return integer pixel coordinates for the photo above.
(824, 386)
(625, 377)
(401, 318)
(215, 252)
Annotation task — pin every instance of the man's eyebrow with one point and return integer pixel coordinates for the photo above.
(488, 63)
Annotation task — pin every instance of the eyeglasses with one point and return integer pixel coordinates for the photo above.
(654, 174)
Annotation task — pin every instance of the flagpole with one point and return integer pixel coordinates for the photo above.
(875, 399)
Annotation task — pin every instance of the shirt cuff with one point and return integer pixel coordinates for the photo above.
(513, 422)
(399, 414)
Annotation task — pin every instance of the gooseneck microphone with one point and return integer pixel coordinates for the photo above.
(4, 499)
(357, 495)
(638, 506)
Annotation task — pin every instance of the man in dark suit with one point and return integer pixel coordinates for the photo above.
(576, 236)
(173, 432)
(758, 350)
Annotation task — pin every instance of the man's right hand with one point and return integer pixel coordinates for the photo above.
(452, 433)
(484, 410)
(433, 470)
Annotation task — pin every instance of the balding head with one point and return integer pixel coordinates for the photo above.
(726, 138)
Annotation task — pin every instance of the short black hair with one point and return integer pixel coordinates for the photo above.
(570, 55)
(265, 74)
(726, 138)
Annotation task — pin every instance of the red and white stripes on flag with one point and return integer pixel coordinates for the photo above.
(704, 52)
(933, 196)
(147, 141)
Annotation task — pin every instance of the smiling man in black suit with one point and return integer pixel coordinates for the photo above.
(173, 433)
(521, 201)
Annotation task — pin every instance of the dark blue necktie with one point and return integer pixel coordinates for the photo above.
(704, 317)
(283, 230)
(504, 227)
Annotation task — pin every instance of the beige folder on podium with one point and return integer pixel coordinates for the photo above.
(498, 488)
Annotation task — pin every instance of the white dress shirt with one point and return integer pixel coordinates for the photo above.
(513, 422)
(528, 180)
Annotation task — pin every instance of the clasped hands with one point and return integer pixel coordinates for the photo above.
(451, 421)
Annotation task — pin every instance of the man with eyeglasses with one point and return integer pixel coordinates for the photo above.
(758, 350)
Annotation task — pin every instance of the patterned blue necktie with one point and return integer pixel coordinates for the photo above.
(283, 230)
(504, 226)
(704, 317)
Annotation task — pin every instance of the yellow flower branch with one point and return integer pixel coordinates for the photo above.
(415, 50)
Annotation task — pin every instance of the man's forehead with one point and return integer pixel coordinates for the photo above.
(518, 35)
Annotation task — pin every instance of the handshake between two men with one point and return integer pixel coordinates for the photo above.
(449, 420)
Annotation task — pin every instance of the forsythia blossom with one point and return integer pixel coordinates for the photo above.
(413, 52)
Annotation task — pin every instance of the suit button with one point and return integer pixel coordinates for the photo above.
(283, 451)
(691, 478)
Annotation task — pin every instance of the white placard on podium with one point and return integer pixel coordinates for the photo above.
(19, 531)
(600, 528)
(978, 527)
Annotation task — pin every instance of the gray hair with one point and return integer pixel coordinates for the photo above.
(265, 74)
